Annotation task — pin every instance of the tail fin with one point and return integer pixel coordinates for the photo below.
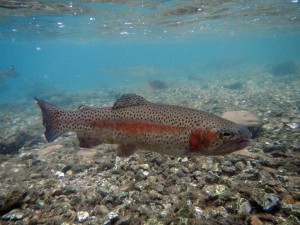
(50, 113)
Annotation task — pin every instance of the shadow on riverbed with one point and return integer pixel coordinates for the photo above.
(10, 72)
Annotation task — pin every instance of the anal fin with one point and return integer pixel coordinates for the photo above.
(88, 142)
(126, 150)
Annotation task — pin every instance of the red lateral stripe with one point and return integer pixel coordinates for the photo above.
(135, 126)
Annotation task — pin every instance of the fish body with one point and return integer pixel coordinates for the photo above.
(10, 72)
(134, 123)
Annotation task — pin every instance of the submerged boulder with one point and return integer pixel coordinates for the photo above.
(11, 199)
(12, 143)
(244, 118)
(284, 68)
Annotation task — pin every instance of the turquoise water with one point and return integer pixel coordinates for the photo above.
(80, 46)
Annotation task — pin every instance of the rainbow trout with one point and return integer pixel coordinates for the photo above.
(134, 123)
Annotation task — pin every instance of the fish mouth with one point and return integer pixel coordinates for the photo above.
(232, 146)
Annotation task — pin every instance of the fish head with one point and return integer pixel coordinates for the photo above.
(219, 141)
(232, 139)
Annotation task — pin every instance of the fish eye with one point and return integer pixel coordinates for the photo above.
(225, 134)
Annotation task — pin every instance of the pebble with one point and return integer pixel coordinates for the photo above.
(82, 216)
(145, 166)
(15, 214)
(113, 217)
(214, 191)
(199, 212)
(294, 125)
(271, 201)
(270, 147)
(244, 207)
(211, 177)
(240, 166)
(59, 174)
(145, 173)
(163, 214)
(102, 209)
(11, 200)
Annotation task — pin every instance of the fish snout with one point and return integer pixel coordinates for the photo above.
(244, 132)
(234, 139)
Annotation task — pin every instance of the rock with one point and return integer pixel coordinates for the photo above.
(15, 214)
(144, 166)
(11, 200)
(186, 211)
(143, 209)
(183, 221)
(231, 207)
(40, 204)
(158, 187)
(145, 174)
(103, 191)
(153, 222)
(82, 216)
(244, 118)
(292, 220)
(211, 177)
(269, 202)
(291, 209)
(119, 196)
(290, 168)
(66, 168)
(113, 217)
(217, 212)
(124, 220)
(92, 198)
(199, 212)
(244, 207)
(46, 151)
(271, 147)
(216, 191)
(255, 220)
(59, 174)
(154, 195)
(294, 125)
(240, 166)
(12, 143)
(229, 170)
(102, 209)
(163, 214)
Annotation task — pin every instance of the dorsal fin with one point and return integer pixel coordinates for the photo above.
(84, 107)
(130, 99)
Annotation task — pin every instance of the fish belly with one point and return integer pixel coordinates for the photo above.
(162, 142)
